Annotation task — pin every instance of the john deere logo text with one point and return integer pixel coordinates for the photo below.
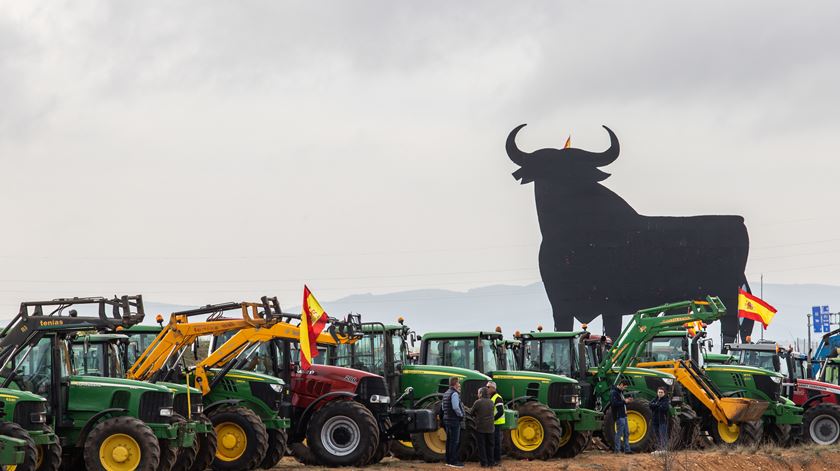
(53, 322)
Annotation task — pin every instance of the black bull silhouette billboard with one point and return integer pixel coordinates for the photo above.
(601, 257)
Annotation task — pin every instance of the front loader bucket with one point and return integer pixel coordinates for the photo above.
(740, 409)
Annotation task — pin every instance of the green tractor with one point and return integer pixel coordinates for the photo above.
(103, 423)
(105, 355)
(27, 442)
(384, 349)
(587, 358)
(550, 420)
(735, 379)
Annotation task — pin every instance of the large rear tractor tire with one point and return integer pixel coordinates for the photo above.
(744, 434)
(382, 450)
(205, 446)
(343, 433)
(778, 435)
(30, 452)
(639, 418)
(241, 438)
(276, 448)
(572, 442)
(403, 450)
(821, 424)
(537, 434)
(469, 441)
(303, 454)
(121, 443)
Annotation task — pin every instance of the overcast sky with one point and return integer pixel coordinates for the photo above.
(205, 151)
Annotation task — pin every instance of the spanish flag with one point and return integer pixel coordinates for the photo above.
(313, 319)
(752, 307)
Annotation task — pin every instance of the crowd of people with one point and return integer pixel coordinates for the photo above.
(488, 412)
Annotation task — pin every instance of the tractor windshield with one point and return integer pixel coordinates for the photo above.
(137, 344)
(101, 359)
(452, 352)
(831, 372)
(367, 354)
(557, 356)
(665, 349)
(758, 358)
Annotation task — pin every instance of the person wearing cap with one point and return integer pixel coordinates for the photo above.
(498, 421)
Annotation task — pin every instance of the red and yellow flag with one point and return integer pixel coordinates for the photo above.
(753, 307)
(313, 319)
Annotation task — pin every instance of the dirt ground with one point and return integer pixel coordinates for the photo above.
(803, 458)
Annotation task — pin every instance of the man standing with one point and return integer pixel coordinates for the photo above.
(482, 412)
(498, 421)
(618, 406)
(660, 407)
(453, 416)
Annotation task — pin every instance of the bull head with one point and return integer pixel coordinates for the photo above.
(564, 165)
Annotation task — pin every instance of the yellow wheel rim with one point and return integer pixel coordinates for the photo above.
(566, 433)
(406, 444)
(231, 441)
(637, 426)
(436, 441)
(119, 452)
(728, 433)
(528, 434)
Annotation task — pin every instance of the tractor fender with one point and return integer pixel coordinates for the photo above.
(812, 401)
(223, 402)
(427, 399)
(519, 400)
(95, 420)
(310, 409)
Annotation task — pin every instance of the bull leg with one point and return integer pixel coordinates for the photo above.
(563, 322)
(729, 323)
(612, 325)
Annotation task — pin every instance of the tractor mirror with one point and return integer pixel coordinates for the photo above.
(413, 338)
(777, 366)
(195, 347)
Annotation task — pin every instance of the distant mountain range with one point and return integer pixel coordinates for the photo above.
(525, 307)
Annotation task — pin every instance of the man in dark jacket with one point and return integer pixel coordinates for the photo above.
(453, 417)
(618, 406)
(660, 407)
(482, 412)
(498, 421)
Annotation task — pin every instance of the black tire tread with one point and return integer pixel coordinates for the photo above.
(30, 452)
(303, 454)
(276, 448)
(814, 412)
(206, 452)
(575, 446)
(419, 443)
(368, 428)
(403, 452)
(142, 434)
(259, 433)
(608, 429)
(552, 430)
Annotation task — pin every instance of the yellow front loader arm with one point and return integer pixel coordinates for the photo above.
(179, 333)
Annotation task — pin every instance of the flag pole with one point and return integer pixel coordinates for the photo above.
(762, 297)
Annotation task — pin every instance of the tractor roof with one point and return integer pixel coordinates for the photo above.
(468, 334)
(756, 347)
(100, 337)
(143, 329)
(552, 335)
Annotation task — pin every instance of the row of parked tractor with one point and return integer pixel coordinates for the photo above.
(85, 385)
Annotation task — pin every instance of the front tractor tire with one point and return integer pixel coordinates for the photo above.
(205, 446)
(821, 424)
(744, 433)
(276, 448)
(121, 444)
(241, 438)
(403, 450)
(572, 442)
(537, 434)
(343, 433)
(639, 418)
(30, 453)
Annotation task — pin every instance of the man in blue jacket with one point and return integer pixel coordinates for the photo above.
(618, 405)
(660, 408)
(453, 417)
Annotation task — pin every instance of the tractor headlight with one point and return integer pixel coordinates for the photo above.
(38, 417)
(377, 399)
(574, 399)
(278, 388)
(199, 408)
(776, 379)
(166, 412)
(668, 381)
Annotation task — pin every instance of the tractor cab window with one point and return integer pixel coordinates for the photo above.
(488, 355)
(320, 359)
(137, 344)
(832, 372)
(260, 359)
(367, 354)
(510, 357)
(90, 363)
(556, 356)
(400, 348)
(665, 349)
(456, 352)
(33, 368)
(758, 359)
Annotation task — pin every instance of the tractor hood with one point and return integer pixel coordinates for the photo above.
(116, 383)
(443, 371)
(531, 376)
(178, 388)
(15, 395)
(339, 373)
(743, 369)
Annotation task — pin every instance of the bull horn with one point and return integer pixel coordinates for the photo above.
(516, 155)
(608, 156)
